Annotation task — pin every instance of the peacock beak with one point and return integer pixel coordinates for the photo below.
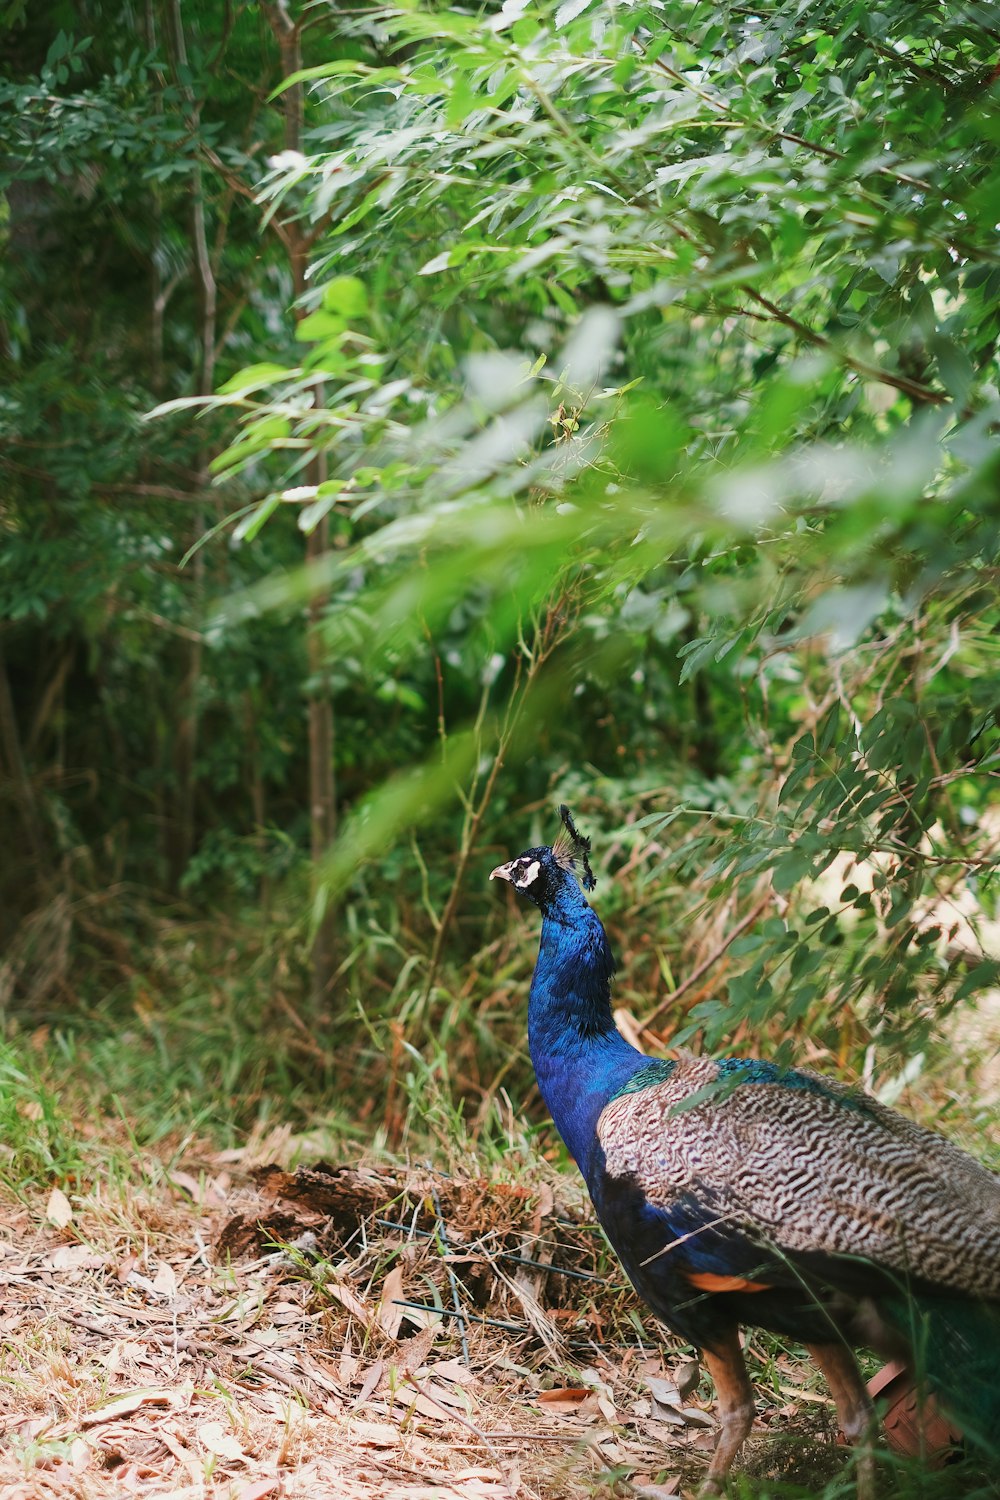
(502, 872)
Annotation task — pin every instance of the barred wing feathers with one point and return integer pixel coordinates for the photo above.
(810, 1167)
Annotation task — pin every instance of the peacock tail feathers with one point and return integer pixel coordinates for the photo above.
(955, 1346)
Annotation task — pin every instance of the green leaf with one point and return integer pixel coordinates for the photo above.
(955, 368)
(790, 869)
(319, 325)
(251, 524)
(255, 377)
(984, 976)
(347, 297)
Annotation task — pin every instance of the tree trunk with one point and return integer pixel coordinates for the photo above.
(10, 744)
(322, 792)
(181, 836)
(322, 788)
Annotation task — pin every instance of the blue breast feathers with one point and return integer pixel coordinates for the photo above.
(581, 1060)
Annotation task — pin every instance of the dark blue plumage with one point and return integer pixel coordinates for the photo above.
(737, 1193)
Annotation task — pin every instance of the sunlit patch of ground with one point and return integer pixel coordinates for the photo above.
(157, 1341)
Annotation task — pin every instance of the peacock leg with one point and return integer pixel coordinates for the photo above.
(736, 1408)
(854, 1408)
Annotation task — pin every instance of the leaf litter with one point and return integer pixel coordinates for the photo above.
(361, 1331)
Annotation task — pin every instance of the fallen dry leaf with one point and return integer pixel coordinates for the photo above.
(350, 1302)
(123, 1351)
(447, 1395)
(606, 1407)
(165, 1280)
(80, 1454)
(390, 1316)
(126, 1405)
(214, 1438)
(481, 1482)
(375, 1434)
(283, 1313)
(815, 1396)
(59, 1210)
(174, 1442)
(545, 1204)
(687, 1376)
(125, 1268)
(259, 1488)
(695, 1417)
(413, 1351)
(668, 1405)
(665, 1417)
(186, 1183)
(451, 1369)
(580, 1401)
(73, 1258)
(663, 1391)
(135, 1477)
(370, 1382)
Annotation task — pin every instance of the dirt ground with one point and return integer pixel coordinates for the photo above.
(351, 1332)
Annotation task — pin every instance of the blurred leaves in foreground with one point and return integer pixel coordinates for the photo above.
(680, 320)
(632, 440)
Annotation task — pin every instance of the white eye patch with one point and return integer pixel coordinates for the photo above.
(528, 874)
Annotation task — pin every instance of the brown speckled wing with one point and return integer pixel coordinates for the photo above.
(813, 1169)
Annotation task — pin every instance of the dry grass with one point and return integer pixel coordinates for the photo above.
(156, 1339)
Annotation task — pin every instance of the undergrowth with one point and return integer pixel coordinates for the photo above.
(203, 1045)
(208, 1031)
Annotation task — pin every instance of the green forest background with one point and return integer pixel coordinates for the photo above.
(414, 417)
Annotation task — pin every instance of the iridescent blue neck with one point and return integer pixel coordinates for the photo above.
(581, 1060)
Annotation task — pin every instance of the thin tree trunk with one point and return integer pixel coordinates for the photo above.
(182, 825)
(258, 794)
(322, 787)
(157, 299)
(323, 802)
(10, 743)
(50, 703)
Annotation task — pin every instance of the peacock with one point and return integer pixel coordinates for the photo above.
(735, 1193)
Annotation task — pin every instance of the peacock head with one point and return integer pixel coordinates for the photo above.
(544, 874)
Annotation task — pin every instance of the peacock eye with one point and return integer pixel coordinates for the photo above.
(527, 872)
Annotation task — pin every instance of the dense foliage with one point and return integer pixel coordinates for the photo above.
(629, 374)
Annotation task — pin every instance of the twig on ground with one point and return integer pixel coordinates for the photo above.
(444, 1247)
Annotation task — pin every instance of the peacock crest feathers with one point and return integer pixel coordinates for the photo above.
(571, 850)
